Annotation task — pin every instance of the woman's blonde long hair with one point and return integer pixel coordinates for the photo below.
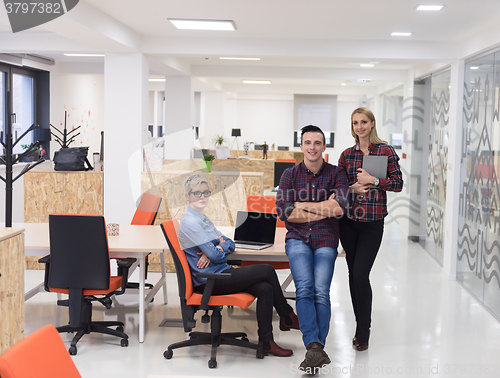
(373, 133)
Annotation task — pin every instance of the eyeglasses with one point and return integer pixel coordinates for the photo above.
(206, 193)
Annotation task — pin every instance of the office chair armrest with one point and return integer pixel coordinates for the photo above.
(123, 268)
(44, 259)
(209, 286)
(216, 276)
(234, 262)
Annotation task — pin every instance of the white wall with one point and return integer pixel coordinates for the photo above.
(81, 94)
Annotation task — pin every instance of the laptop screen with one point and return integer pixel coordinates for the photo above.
(255, 227)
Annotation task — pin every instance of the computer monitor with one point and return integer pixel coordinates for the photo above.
(279, 168)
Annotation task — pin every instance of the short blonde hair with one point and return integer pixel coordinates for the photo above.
(374, 139)
(193, 180)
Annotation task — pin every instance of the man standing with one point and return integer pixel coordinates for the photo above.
(265, 147)
(305, 202)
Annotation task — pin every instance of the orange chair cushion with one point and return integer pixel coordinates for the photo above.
(115, 282)
(41, 355)
(243, 300)
(274, 264)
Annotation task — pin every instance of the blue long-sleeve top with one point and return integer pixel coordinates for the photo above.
(197, 233)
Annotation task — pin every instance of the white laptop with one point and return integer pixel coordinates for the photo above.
(255, 230)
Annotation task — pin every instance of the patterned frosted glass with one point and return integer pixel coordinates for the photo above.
(479, 216)
(437, 164)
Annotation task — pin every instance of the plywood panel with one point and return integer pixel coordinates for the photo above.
(43, 194)
(11, 291)
(83, 193)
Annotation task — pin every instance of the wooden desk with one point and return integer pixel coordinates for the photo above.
(133, 241)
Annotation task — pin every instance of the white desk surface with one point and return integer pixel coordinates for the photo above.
(132, 239)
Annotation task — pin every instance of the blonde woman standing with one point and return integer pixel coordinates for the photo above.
(362, 227)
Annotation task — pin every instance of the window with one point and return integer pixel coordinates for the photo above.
(317, 110)
(28, 98)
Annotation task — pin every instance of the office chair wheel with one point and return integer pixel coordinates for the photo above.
(212, 364)
(124, 342)
(119, 328)
(260, 354)
(168, 354)
(72, 350)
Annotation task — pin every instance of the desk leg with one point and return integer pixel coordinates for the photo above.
(141, 298)
(164, 277)
(286, 283)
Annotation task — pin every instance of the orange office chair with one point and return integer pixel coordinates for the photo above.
(287, 161)
(41, 354)
(78, 265)
(265, 204)
(192, 302)
(145, 214)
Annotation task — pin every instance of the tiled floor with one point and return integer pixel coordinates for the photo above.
(423, 326)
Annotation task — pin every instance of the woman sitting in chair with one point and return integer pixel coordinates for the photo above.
(207, 251)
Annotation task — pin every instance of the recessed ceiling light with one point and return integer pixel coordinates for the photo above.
(84, 54)
(367, 65)
(230, 58)
(181, 23)
(401, 34)
(343, 84)
(429, 7)
(256, 81)
(156, 79)
(474, 68)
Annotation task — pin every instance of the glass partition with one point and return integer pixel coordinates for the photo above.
(478, 262)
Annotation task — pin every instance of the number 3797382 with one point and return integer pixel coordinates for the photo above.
(33, 7)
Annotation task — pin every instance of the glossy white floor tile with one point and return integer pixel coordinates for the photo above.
(423, 326)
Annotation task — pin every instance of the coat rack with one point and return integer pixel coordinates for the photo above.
(10, 159)
(64, 142)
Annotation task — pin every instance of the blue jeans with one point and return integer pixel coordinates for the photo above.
(312, 272)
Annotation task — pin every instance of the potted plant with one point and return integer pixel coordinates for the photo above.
(218, 140)
(206, 164)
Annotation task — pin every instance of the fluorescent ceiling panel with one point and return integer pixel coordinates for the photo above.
(185, 24)
(230, 58)
(256, 81)
(429, 7)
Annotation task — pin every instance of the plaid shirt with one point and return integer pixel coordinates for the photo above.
(373, 205)
(298, 184)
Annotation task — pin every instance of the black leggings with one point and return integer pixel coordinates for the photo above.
(361, 242)
(262, 282)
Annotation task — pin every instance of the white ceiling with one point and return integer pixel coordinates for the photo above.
(304, 45)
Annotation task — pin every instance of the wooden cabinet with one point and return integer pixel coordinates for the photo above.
(11, 287)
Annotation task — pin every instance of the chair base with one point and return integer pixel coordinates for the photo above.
(205, 338)
(97, 327)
